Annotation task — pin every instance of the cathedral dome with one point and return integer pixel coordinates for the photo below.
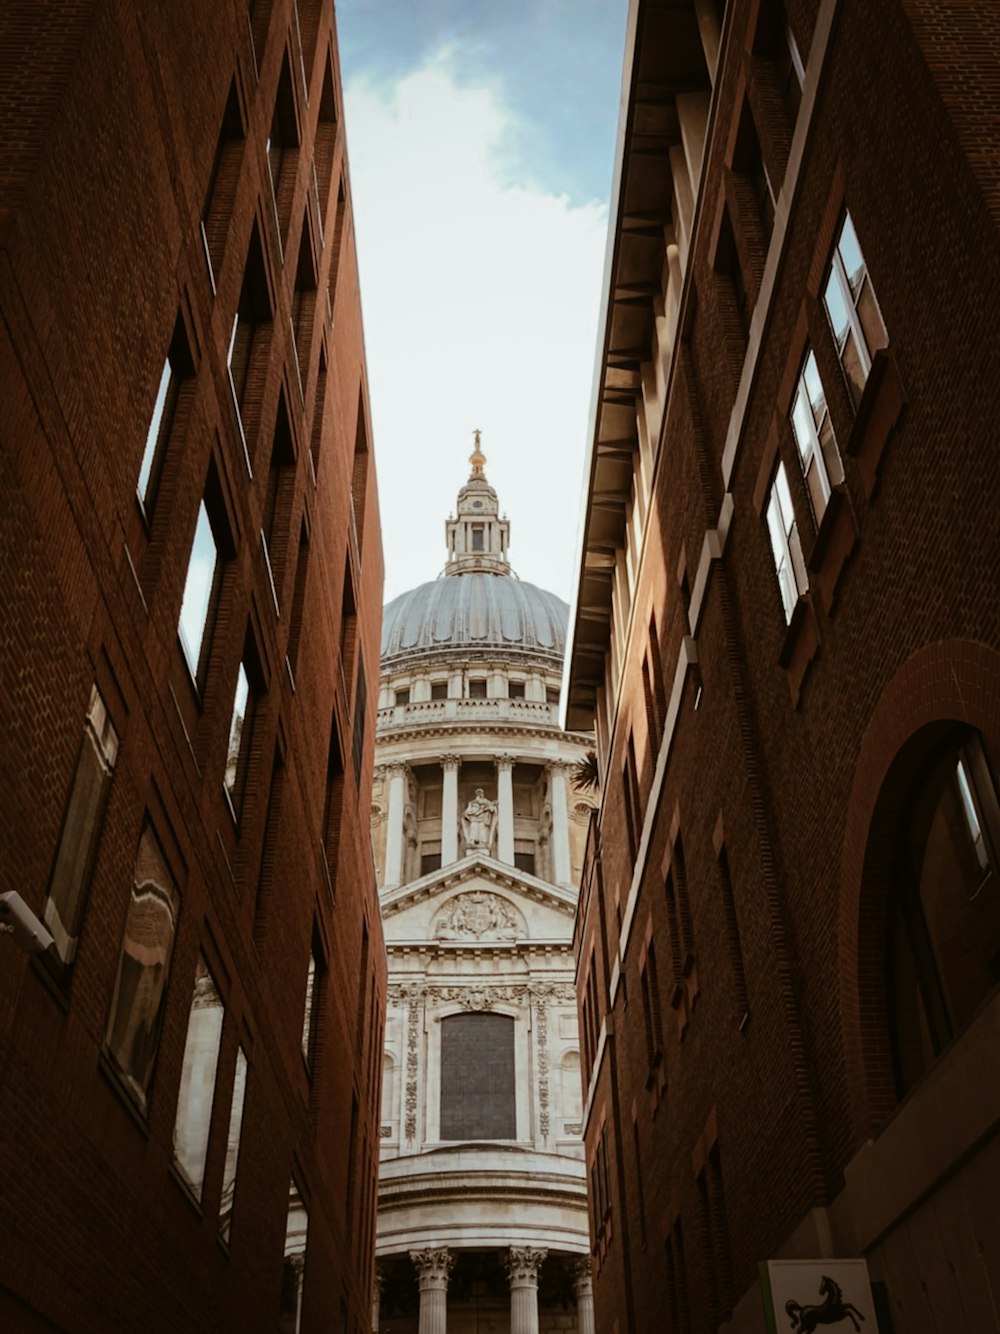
(474, 611)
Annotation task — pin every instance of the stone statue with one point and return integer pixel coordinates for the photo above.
(479, 823)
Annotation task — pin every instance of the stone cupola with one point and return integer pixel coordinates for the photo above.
(477, 537)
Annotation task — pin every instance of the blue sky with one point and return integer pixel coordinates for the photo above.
(480, 139)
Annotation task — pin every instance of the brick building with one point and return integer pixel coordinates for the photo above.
(786, 632)
(192, 572)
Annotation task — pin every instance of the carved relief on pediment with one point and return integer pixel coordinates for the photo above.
(479, 915)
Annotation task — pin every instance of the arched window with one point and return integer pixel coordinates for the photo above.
(943, 923)
(477, 1077)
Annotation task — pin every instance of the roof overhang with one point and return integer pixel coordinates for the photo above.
(664, 59)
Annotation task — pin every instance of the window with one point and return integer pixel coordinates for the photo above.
(439, 690)
(477, 1077)
(852, 309)
(477, 689)
(294, 1263)
(477, 537)
(311, 1010)
(247, 344)
(133, 1032)
(201, 590)
(280, 148)
(238, 752)
(278, 498)
(944, 910)
(524, 861)
(303, 309)
(515, 690)
(233, 1135)
(402, 696)
(813, 432)
(176, 368)
(81, 829)
(201, 1059)
(430, 861)
(785, 547)
(633, 799)
(217, 209)
(551, 695)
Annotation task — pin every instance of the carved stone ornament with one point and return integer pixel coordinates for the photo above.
(582, 1276)
(542, 1032)
(480, 916)
(412, 1035)
(522, 1264)
(378, 815)
(433, 1266)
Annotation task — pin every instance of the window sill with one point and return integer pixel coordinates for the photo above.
(110, 1072)
(833, 547)
(800, 646)
(880, 412)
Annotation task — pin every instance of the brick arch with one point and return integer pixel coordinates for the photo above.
(953, 681)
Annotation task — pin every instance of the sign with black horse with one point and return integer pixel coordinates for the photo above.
(803, 1296)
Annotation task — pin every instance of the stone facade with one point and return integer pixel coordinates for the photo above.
(479, 836)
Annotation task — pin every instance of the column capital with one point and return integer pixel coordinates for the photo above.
(582, 1276)
(395, 767)
(450, 761)
(561, 767)
(522, 1264)
(433, 1265)
(505, 760)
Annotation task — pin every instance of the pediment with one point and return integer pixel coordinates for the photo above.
(478, 901)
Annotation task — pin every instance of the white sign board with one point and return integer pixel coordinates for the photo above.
(802, 1296)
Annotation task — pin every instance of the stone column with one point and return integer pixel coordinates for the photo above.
(449, 809)
(394, 829)
(377, 1280)
(584, 1296)
(560, 824)
(505, 809)
(433, 1267)
(523, 1264)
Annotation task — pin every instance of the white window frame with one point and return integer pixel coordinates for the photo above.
(838, 273)
(806, 433)
(786, 551)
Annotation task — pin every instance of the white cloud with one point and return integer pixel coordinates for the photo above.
(480, 302)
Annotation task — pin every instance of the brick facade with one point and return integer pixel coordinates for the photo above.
(738, 899)
(137, 217)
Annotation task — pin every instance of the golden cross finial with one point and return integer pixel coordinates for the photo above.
(477, 458)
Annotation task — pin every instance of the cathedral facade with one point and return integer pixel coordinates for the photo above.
(479, 835)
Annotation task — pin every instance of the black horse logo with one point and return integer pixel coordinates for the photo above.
(832, 1310)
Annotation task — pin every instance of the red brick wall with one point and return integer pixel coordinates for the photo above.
(109, 156)
(779, 767)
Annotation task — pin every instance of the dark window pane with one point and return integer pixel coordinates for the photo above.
(477, 1077)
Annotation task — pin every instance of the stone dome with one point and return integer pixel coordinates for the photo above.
(474, 611)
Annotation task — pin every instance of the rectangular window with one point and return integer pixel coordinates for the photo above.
(551, 695)
(238, 752)
(852, 309)
(133, 1033)
(814, 437)
(80, 834)
(515, 690)
(785, 547)
(233, 1146)
(177, 368)
(429, 861)
(477, 689)
(201, 1060)
(477, 1077)
(294, 1263)
(439, 690)
(525, 861)
(402, 696)
(200, 591)
(477, 538)
(311, 1011)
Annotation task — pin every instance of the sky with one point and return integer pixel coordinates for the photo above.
(480, 138)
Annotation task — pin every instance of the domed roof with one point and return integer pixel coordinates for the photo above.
(474, 611)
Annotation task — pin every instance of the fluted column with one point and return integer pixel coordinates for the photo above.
(584, 1296)
(394, 825)
(560, 825)
(523, 1264)
(378, 1279)
(433, 1267)
(505, 809)
(449, 809)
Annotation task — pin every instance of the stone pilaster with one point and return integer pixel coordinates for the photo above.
(523, 1264)
(394, 841)
(505, 809)
(433, 1266)
(449, 809)
(584, 1296)
(560, 824)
